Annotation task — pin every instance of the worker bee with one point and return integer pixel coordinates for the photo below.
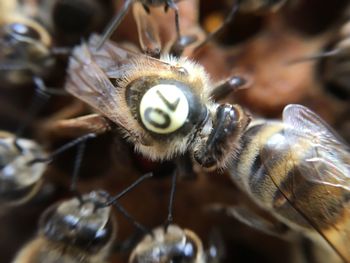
(23, 163)
(163, 106)
(299, 170)
(75, 230)
(81, 229)
(25, 47)
(172, 244)
(18, 180)
(69, 21)
(146, 29)
(334, 65)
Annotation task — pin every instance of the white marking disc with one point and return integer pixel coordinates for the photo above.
(164, 108)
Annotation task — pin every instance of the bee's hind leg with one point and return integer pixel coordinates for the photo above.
(72, 128)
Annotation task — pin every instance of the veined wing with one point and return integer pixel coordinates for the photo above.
(89, 83)
(97, 77)
(311, 179)
(327, 153)
(116, 62)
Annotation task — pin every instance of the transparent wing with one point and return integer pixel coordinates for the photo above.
(91, 72)
(326, 154)
(116, 61)
(309, 168)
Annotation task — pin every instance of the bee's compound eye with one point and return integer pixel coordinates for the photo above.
(23, 30)
(164, 108)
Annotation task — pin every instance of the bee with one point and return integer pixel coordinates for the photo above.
(23, 163)
(81, 229)
(69, 21)
(25, 47)
(298, 169)
(73, 231)
(334, 65)
(163, 106)
(173, 244)
(143, 21)
(19, 181)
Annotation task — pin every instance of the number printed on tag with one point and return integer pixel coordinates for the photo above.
(164, 109)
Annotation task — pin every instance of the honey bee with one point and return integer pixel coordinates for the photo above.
(163, 106)
(23, 163)
(299, 170)
(73, 231)
(25, 47)
(18, 180)
(142, 20)
(173, 244)
(70, 21)
(81, 229)
(334, 65)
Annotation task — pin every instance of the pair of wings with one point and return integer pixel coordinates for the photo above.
(326, 165)
(94, 75)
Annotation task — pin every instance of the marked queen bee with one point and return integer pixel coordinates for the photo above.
(163, 107)
(166, 108)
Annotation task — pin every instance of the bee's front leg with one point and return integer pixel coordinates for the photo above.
(216, 148)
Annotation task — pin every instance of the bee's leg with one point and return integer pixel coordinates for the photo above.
(230, 85)
(170, 218)
(147, 31)
(247, 216)
(216, 148)
(171, 4)
(71, 128)
(181, 43)
(114, 23)
(213, 34)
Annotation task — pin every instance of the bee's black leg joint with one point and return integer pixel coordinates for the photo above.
(230, 85)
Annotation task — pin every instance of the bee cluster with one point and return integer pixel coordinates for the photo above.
(174, 131)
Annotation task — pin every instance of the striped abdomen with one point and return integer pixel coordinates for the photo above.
(274, 176)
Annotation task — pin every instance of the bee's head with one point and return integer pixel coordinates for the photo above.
(83, 225)
(168, 245)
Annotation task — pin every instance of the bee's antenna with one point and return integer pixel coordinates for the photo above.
(62, 149)
(213, 34)
(313, 57)
(169, 219)
(114, 201)
(114, 23)
(129, 188)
